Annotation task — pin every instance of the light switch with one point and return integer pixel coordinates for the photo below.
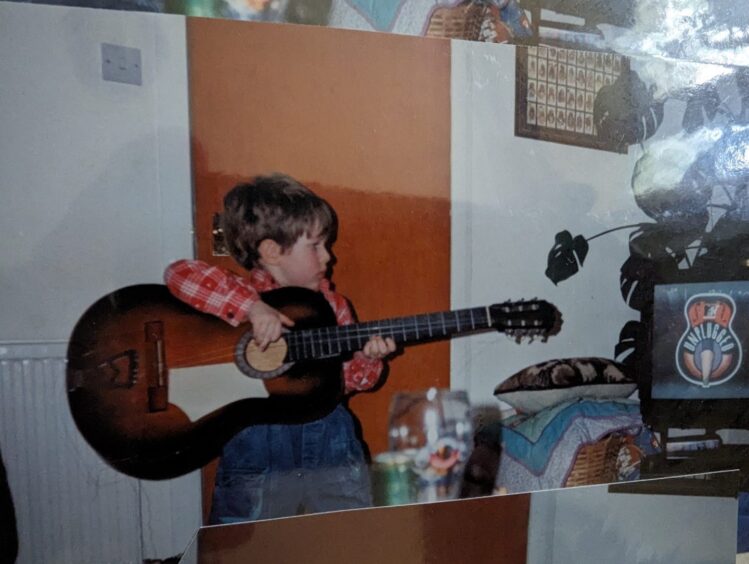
(121, 64)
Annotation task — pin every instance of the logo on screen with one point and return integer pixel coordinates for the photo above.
(709, 353)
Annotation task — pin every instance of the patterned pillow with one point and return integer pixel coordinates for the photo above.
(548, 383)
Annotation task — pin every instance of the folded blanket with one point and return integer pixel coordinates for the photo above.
(539, 451)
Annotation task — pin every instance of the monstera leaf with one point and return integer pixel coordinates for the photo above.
(726, 246)
(631, 340)
(625, 111)
(636, 281)
(730, 156)
(673, 180)
(566, 256)
(657, 251)
(701, 107)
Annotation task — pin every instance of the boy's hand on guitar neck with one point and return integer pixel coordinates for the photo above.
(267, 324)
(378, 347)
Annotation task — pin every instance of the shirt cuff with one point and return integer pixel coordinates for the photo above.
(238, 311)
(362, 373)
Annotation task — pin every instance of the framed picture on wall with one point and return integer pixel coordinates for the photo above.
(555, 90)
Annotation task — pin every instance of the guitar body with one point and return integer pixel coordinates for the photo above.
(124, 346)
(119, 358)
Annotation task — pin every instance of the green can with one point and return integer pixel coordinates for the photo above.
(393, 479)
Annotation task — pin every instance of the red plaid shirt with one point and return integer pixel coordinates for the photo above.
(213, 290)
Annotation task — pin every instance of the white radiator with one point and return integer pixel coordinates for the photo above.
(70, 506)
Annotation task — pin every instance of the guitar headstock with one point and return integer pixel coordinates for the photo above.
(526, 319)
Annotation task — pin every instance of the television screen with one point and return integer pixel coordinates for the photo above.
(700, 334)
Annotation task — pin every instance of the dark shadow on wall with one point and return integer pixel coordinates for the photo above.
(8, 527)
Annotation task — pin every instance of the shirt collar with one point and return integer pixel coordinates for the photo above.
(262, 281)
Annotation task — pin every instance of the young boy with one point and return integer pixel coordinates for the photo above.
(280, 231)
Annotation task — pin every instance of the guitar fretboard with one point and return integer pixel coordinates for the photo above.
(333, 341)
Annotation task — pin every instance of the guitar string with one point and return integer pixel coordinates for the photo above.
(209, 356)
(351, 335)
(346, 335)
(448, 319)
(314, 339)
(295, 348)
(449, 322)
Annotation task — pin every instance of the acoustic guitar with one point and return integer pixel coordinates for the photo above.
(123, 348)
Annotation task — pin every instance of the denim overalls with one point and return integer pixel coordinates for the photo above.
(269, 471)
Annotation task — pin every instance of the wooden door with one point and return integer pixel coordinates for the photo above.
(364, 120)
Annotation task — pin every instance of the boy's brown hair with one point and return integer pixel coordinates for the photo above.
(275, 207)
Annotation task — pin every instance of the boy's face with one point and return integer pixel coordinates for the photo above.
(304, 264)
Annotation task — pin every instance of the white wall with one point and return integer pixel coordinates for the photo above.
(590, 525)
(511, 195)
(96, 195)
(94, 175)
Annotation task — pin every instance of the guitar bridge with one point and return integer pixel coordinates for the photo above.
(157, 373)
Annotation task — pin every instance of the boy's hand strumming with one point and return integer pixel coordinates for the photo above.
(378, 347)
(267, 324)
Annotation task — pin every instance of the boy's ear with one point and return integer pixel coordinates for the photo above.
(269, 251)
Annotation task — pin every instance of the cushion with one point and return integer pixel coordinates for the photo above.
(548, 383)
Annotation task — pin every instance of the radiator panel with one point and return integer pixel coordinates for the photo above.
(70, 506)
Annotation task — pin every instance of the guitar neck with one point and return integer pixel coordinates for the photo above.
(333, 341)
(417, 328)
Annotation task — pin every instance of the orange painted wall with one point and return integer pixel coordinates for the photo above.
(364, 120)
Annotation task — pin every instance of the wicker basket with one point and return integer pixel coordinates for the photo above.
(474, 21)
(461, 22)
(596, 462)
